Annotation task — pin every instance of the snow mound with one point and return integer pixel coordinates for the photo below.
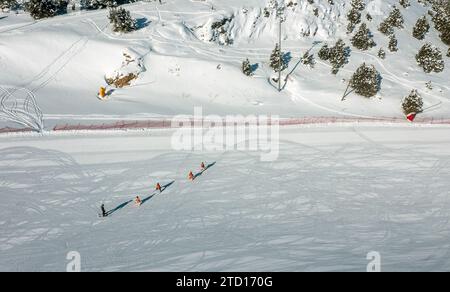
(130, 69)
(254, 22)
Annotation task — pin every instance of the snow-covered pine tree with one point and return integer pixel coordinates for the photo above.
(430, 59)
(363, 38)
(366, 81)
(445, 36)
(358, 5)
(247, 68)
(324, 53)
(308, 60)
(405, 3)
(42, 8)
(421, 28)
(386, 28)
(62, 6)
(8, 4)
(393, 43)
(354, 18)
(396, 18)
(382, 54)
(100, 4)
(277, 60)
(441, 19)
(338, 56)
(448, 52)
(413, 103)
(121, 20)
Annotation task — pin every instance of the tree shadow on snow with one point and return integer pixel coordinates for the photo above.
(142, 23)
(254, 67)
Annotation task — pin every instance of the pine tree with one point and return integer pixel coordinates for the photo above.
(366, 81)
(386, 28)
(354, 18)
(247, 68)
(8, 4)
(324, 53)
(393, 44)
(100, 4)
(445, 36)
(430, 59)
(277, 60)
(121, 20)
(421, 28)
(336, 55)
(405, 3)
(441, 19)
(354, 15)
(339, 55)
(412, 103)
(62, 6)
(448, 52)
(358, 5)
(382, 54)
(363, 38)
(308, 59)
(396, 18)
(42, 8)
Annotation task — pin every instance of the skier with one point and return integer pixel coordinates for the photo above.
(137, 201)
(103, 210)
(191, 176)
(158, 188)
(203, 166)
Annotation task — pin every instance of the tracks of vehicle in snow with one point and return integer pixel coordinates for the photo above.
(211, 51)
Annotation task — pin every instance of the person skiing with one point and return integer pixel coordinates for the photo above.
(191, 176)
(203, 166)
(158, 188)
(103, 210)
(137, 201)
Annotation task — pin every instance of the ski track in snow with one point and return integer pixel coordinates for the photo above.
(237, 57)
(229, 54)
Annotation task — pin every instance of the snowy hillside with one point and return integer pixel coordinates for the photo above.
(64, 61)
(350, 176)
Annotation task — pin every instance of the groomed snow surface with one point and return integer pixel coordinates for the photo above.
(335, 194)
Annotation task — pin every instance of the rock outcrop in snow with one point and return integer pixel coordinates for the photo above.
(130, 70)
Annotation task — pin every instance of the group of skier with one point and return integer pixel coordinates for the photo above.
(137, 199)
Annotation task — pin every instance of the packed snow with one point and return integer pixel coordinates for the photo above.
(334, 195)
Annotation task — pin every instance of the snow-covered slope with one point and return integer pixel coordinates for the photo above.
(64, 60)
(334, 195)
